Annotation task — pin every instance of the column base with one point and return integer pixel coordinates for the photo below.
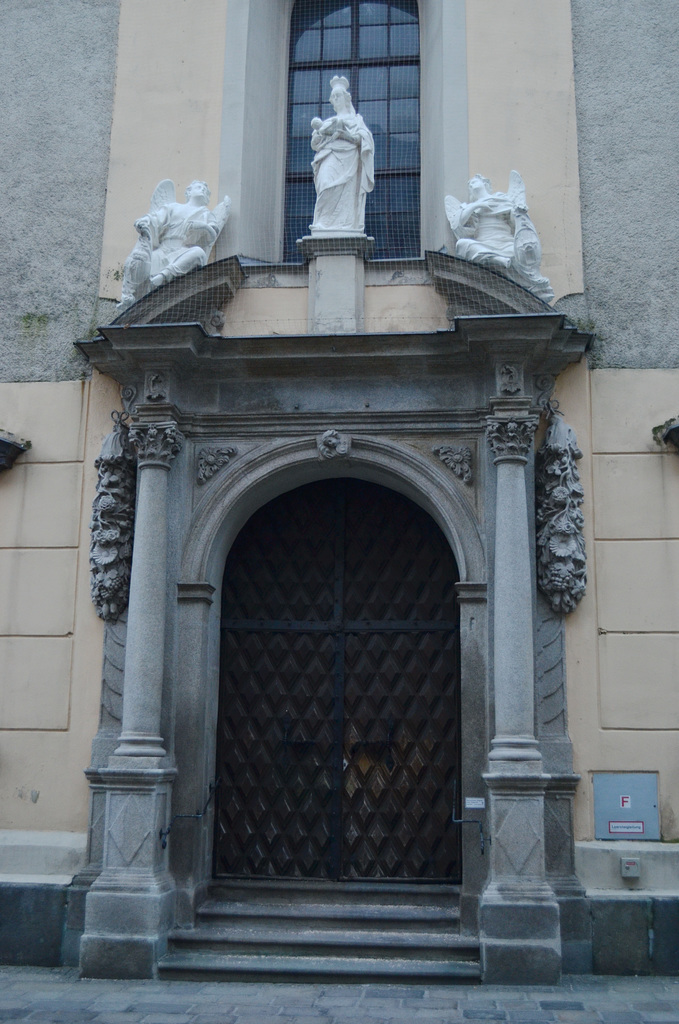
(514, 748)
(132, 744)
(520, 935)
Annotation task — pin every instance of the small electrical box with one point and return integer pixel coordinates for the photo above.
(630, 867)
(626, 806)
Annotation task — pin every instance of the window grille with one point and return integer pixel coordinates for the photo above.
(376, 46)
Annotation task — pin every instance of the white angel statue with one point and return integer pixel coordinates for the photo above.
(174, 238)
(494, 229)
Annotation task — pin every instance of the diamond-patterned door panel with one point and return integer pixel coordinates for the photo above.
(401, 748)
(338, 741)
(275, 745)
(398, 563)
(282, 564)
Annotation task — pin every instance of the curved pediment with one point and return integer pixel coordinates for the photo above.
(475, 290)
(196, 297)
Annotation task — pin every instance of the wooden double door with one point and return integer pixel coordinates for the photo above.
(338, 736)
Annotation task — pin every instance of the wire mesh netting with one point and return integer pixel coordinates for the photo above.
(375, 47)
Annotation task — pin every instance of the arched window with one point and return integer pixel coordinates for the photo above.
(376, 46)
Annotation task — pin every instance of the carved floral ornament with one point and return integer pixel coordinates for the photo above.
(112, 522)
(458, 458)
(211, 460)
(157, 444)
(511, 439)
(561, 557)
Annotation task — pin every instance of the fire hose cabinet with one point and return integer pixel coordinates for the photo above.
(626, 805)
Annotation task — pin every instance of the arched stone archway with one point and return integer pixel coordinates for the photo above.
(270, 469)
(265, 472)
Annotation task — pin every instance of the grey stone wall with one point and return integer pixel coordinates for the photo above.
(627, 91)
(57, 76)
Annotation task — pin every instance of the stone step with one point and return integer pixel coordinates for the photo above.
(286, 938)
(305, 891)
(192, 966)
(221, 913)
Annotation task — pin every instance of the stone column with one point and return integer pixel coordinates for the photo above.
(510, 441)
(519, 915)
(129, 908)
(157, 445)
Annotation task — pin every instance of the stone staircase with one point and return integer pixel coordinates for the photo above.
(324, 931)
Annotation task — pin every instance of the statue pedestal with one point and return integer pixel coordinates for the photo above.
(336, 281)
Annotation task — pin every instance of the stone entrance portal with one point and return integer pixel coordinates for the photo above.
(445, 422)
(338, 738)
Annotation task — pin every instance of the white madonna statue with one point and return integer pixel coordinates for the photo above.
(494, 229)
(344, 166)
(174, 238)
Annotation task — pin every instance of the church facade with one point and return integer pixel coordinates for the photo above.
(337, 605)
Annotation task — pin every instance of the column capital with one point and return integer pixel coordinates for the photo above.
(157, 443)
(510, 440)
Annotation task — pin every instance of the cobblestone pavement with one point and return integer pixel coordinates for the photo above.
(59, 996)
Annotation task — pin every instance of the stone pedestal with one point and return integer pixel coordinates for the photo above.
(130, 905)
(519, 915)
(336, 281)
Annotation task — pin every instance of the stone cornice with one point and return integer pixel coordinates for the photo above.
(541, 343)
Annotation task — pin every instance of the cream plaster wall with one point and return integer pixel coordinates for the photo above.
(166, 114)
(259, 311)
(50, 636)
(522, 117)
(404, 308)
(182, 95)
(622, 642)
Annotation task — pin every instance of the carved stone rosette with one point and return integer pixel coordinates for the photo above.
(331, 445)
(561, 558)
(459, 459)
(112, 523)
(211, 460)
(511, 440)
(157, 444)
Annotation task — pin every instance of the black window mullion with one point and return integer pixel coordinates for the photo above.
(354, 31)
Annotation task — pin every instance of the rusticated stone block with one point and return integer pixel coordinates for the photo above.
(620, 940)
(31, 924)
